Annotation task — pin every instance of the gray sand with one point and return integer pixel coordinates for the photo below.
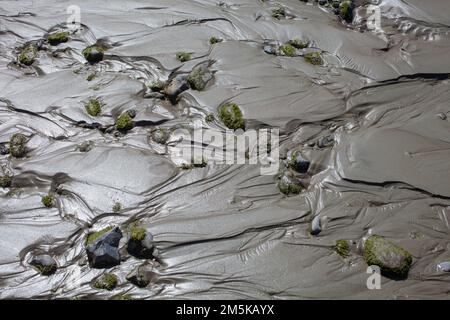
(225, 231)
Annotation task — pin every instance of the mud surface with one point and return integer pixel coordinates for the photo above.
(374, 120)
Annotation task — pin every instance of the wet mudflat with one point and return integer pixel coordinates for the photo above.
(93, 205)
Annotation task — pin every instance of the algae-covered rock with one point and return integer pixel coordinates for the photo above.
(107, 281)
(184, 56)
(102, 248)
(231, 115)
(157, 86)
(93, 107)
(176, 86)
(392, 259)
(44, 264)
(142, 275)
(289, 185)
(279, 13)
(342, 248)
(314, 58)
(5, 181)
(199, 77)
(57, 38)
(287, 50)
(298, 44)
(346, 9)
(48, 200)
(124, 122)
(214, 40)
(28, 55)
(141, 243)
(160, 135)
(17, 145)
(93, 54)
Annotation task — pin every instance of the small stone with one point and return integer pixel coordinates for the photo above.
(142, 275)
(4, 149)
(289, 185)
(141, 243)
(124, 122)
(316, 226)
(160, 135)
(45, 264)
(444, 266)
(5, 181)
(28, 55)
(270, 49)
(57, 38)
(17, 145)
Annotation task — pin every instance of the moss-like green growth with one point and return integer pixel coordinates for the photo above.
(93, 107)
(48, 200)
(137, 233)
(342, 248)
(91, 76)
(93, 54)
(287, 50)
(298, 44)
(214, 40)
(231, 115)
(279, 13)
(107, 281)
(393, 260)
(28, 55)
(117, 207)
(5, 181)
(124, 122)
(17, 145)
(210, 118)
(346, 11)
(314, 58)
(95, 235)
(184, 56)
(157, 86)
(122, 297)
(57, 38)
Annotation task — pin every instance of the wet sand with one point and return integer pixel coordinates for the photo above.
(381, 101)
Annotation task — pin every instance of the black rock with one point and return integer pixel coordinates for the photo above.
(45, 264)
(143, 249)
(298, 163)
(142, 275)
(93, 54)
(103, 252)
(132, 113)
(176, 87)
(4, 149)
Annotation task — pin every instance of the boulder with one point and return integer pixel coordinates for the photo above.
(393, 260)
(17, 145)
(176, 86)
(199, 77)
(102, 248)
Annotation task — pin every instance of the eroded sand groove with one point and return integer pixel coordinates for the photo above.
(372, 117)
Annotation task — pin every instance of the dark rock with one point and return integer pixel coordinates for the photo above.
(132, 113)
(45, 264)
(176, 87)
(93, 54)
(142, 249)
(142, 275)
(103, 250)
(316, 226)
(17, 145)
(4, 149)
(298, 163)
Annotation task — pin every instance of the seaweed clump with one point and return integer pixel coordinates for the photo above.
(5, 181)
(214, 40)
(137, 233)
(231, 115)
(107, 281)
(57, 38)
(298, 44)
(93, 107)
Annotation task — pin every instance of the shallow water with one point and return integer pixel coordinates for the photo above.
(225, 231)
